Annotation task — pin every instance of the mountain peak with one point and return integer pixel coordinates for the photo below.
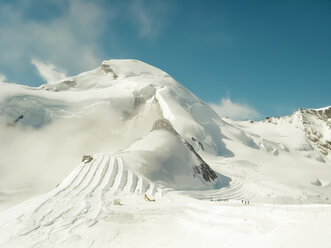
(110, 73)
(315, 123)
(125, 68)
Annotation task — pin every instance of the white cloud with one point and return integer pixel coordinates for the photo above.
(2, 78)
(48, 71)
(235, 111)
(150, 16)
(145, 23)
(69, 39)
(72, 37)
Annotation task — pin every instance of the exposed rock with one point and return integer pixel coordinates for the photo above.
(69, 82)
(87, 159)
(203, 169)
(164, 124)
(199, 143)
(107, 69)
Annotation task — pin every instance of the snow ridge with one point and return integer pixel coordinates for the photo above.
(315, 123)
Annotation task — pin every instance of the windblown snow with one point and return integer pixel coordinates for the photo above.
(157, 167)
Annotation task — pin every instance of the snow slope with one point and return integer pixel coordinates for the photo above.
(54, 125)
(155, 159)
(279, 160)
(171, 221)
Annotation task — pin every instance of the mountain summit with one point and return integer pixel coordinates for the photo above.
(315, 123)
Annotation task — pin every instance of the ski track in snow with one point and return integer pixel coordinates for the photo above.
(83, 197)
(235, 191)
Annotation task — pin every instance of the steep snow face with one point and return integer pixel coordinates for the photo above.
(103, 110)
(150, 157)
(189, 115)
(124, 85)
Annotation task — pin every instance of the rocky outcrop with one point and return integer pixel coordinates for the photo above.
(202, 168)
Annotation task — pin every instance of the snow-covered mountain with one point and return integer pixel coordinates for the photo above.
(288, 156)
(124, 106)
(315, 123)
(141, 136)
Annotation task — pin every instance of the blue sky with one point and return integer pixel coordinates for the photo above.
(250, 58)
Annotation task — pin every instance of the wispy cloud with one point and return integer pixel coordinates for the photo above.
(235, 111)
(48, 71)
(143, 18)
(150, 17)
(68, 39)
(3, 79)
(72, 34)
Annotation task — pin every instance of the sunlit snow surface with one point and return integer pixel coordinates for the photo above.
(161, 169)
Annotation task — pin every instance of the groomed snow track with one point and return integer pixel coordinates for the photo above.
(235, 191)
(84, 197)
